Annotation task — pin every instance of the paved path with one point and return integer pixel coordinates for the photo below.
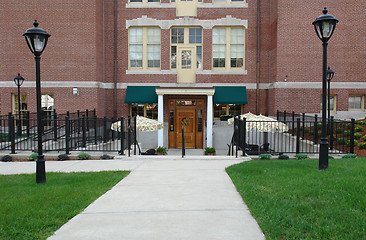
(163, 198)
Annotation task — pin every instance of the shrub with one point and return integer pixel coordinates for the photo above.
(339, 130)
(62, 157)
(83, 156)
(265, 156)
(349, 125)
(357, 136)
(306, 130)
(301, 156)
(210, 150)
(358, 129)
(341, 141)
(161, 150)
(33, 157)
(7, 158)
(362, 145)
(362, 122)
(363, 138)
(347, 133)
(349, 155)
(355, 143)
(106, 156)
(311, 132)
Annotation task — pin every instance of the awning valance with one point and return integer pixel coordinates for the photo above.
(141, 94)
(230, 95)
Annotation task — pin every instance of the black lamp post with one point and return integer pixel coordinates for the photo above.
(19, 81)
(36, 39)
(324, 28)
(330, 75)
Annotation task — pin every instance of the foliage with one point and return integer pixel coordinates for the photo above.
(347, 133)
(35, 211)
(301, 156)
(265, 156)
(83, 156)
(6, 158)
(341, 141)
(358, 129)
(210, 150)
(63, 157)
(161, 150)
(33, 156)
(363, 138)
(106, 156)
(291, 200)
(355, 143)
(339, 130)
(349, 155)
(362, 145)
(357, 136)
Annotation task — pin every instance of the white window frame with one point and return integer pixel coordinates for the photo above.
(362, 102)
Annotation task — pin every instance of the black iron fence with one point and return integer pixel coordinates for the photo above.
(301, 134)
(79, 131)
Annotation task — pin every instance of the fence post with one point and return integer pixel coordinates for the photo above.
(134, 134)
(67, 134)
(105, 129)
(293, 123)
(129, 135)
(298, 136)
(278, 115)
(54, 125)
(95, 130)
(303, 125)
(78, 120)
(122, 136)
(27, 123)
(87, 120)
(284, 116)
(244, 140)
(84, 130)
(352, 138)
(316, 129)
(331, 137)
(183, 143)
(11, 133)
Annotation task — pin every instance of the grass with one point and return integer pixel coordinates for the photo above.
(34, 211)
(291, 199)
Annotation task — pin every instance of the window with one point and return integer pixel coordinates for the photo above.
(47, 102)
(144, 47)
(184, 37)
(144, 1)
(228, 48)
(145, 110)
(23, 104)
(332, 102)
(227, 109)
(228, 1)
(355, 103)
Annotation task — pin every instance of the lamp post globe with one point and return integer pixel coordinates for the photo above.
(36, 39)
(18, 80)
(324, 27)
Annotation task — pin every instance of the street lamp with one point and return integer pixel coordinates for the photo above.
(324, 28)
(19, 81)
(36, 39)
(330, 75)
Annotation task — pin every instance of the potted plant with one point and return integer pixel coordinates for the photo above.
(210, 151)
(161, 150)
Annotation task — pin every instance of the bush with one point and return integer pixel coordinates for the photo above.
(347, 133)
(301, 156)
(7, 158)
(341, 141)
(349, 125)
(210, 150)
(355, 143)
(161, 150)
(339, 130)
(362, 122)
(283, 157)
(33, 157)
(106, 157)
(358, 129)
(362, 145)
(363, 138)
(83, 156)
(349, 155)
(357, 136)
(62, 157)
(265, 156)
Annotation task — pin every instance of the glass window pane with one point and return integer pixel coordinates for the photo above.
(219, 35)
(177, 35)
(199, 56)
(153, 35)
(137, 109)
(136, 35)
(135, 0)
(173, 57)
(237, 35)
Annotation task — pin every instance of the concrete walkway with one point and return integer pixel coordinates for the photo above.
(163, 198)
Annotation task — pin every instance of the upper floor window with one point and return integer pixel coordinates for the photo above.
(355, 103)
(144, 47)
(144, 1)
(228, 48)
(228, 1)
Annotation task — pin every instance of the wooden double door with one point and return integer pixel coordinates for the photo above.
(186, 114)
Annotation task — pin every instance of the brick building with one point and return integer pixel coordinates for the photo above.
(196, 60)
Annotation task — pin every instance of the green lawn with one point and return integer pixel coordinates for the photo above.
(34, 211)
(291, 199)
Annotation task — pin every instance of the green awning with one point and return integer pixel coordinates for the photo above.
(230, 95)
(141, 94)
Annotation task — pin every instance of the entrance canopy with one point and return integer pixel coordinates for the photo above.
(230, 95)
(141, 94)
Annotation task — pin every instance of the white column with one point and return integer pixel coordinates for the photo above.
(209, 120)
(161, 119)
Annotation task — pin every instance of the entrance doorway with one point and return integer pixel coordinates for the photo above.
(189, 113)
